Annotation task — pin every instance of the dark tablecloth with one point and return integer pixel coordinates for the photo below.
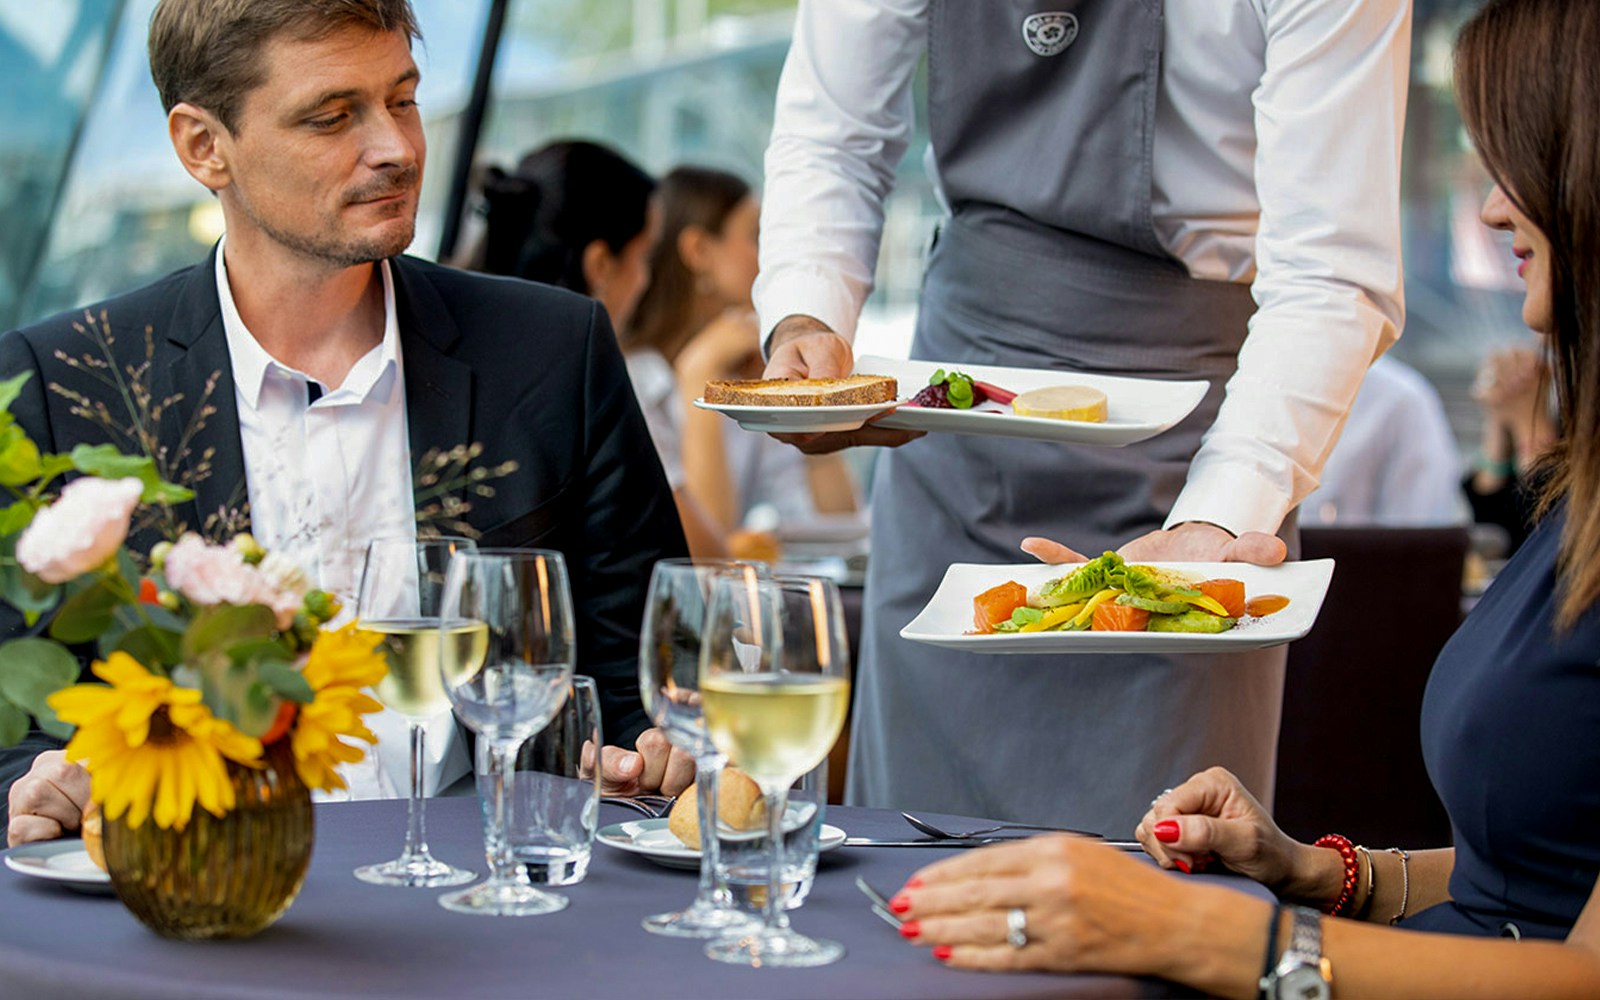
(343, 938)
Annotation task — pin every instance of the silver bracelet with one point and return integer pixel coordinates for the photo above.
(1405, 884)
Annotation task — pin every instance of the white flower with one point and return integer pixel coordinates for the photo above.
(81, 530)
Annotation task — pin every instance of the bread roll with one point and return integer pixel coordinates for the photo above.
(852, 390)
(92, 826)
(738, 804)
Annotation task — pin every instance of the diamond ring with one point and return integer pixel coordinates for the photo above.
(1016, 927)
(1158, 798)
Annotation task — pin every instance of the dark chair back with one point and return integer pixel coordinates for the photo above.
(1349, 753)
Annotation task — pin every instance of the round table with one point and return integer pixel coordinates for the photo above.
(344, 938)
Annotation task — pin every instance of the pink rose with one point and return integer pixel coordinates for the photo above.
(81, 530)
(217, 574)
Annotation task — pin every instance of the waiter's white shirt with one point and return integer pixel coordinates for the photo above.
(1301, 200)
(324, 478)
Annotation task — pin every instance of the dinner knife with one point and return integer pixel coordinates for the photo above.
(1121, 845)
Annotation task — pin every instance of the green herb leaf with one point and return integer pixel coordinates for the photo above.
(937, 377)
(19, 457)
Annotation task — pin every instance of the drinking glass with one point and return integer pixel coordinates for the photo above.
(554, 791)
(519, 601)
(742, 854)
(401, 582)
(669, 682)
(775, 687)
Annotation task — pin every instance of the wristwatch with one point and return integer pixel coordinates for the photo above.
(1303, 973)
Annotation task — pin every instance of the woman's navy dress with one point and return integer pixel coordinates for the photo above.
(1511, 736)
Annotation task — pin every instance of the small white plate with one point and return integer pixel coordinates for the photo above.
(947, 617)
(651, 838)
(1136, 408)
(63, 861)
(798, 419)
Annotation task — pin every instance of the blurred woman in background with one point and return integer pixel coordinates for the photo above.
(696, 323)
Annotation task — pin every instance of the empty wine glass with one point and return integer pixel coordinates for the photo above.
(520, 600)
(775, 687)
(669, 682)
(401, 582)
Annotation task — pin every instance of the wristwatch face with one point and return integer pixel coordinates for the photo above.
(1303, 982)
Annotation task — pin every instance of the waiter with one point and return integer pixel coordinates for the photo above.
(1164, 190)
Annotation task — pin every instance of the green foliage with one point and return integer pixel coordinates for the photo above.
(34, 670)
(88, 613)
(1083, 583)
(13, 724)
(105, 461)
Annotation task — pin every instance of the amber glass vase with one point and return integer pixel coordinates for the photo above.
(219, 878)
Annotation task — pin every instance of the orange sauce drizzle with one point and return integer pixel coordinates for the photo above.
(1265, 604)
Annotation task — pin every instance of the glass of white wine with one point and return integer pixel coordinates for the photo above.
(669, 681)
(775, 687)
(402, 579)
(521, 601)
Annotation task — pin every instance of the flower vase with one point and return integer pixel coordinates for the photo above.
(219, 878)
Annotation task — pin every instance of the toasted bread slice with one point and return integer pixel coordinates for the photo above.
(854, 390)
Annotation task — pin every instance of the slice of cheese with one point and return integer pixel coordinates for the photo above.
(1062, 402)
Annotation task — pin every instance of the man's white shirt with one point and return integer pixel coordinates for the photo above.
(1298, 195)
(324, 477)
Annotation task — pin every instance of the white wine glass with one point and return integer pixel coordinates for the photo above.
(669, 682)
(775, 687)
(402, 579)
(520, 600)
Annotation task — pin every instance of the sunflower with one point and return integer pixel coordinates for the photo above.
(341, 664)
(151, 747)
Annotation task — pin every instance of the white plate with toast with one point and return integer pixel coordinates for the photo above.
(651, 838)
(63, 861)
(947, 619)
(1136, 408)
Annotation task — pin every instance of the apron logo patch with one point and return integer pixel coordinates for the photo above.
(1050, 33)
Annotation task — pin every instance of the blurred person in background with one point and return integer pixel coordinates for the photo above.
(1169, 191)
(695, 323)
(1513, 394)
(1396, 462)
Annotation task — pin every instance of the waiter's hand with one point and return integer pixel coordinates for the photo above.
(653, 767)
(1192, 541)
(804, 347)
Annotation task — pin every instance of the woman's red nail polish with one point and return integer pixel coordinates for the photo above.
(1166, 831)
(915, 883)
(910, 929)
(900, 903)
(941, 952)
(1183, 866)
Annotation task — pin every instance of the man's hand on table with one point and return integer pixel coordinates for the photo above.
(803, 347)
(48, 801)
(1192, 541)
(653, 767)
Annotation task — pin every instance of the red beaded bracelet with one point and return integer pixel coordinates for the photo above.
(1352, 869)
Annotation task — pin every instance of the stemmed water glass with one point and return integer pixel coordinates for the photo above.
(520, 601)
(775, 687)
(669, 681)
(401, 582)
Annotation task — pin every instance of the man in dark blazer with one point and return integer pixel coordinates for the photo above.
(315, 151)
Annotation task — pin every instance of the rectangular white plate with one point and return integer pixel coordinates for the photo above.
(1136, 408)
(948, 615)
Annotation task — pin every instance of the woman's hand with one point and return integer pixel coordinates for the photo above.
(1087, 907)
(1212, 816)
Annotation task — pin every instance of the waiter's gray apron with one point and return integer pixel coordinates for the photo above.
(1050, 261)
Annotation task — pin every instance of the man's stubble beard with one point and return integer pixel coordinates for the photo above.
(354, 252)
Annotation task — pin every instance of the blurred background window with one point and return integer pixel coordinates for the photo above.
(93, 202)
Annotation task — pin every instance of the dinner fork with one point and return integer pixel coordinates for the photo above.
(933, 831)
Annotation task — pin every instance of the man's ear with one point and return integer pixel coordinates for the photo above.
(598, 264)
(199, 140)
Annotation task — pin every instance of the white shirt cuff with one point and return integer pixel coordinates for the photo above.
(1233, 498)
(805, 291)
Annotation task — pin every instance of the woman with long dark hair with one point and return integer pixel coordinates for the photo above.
(1509, 722)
